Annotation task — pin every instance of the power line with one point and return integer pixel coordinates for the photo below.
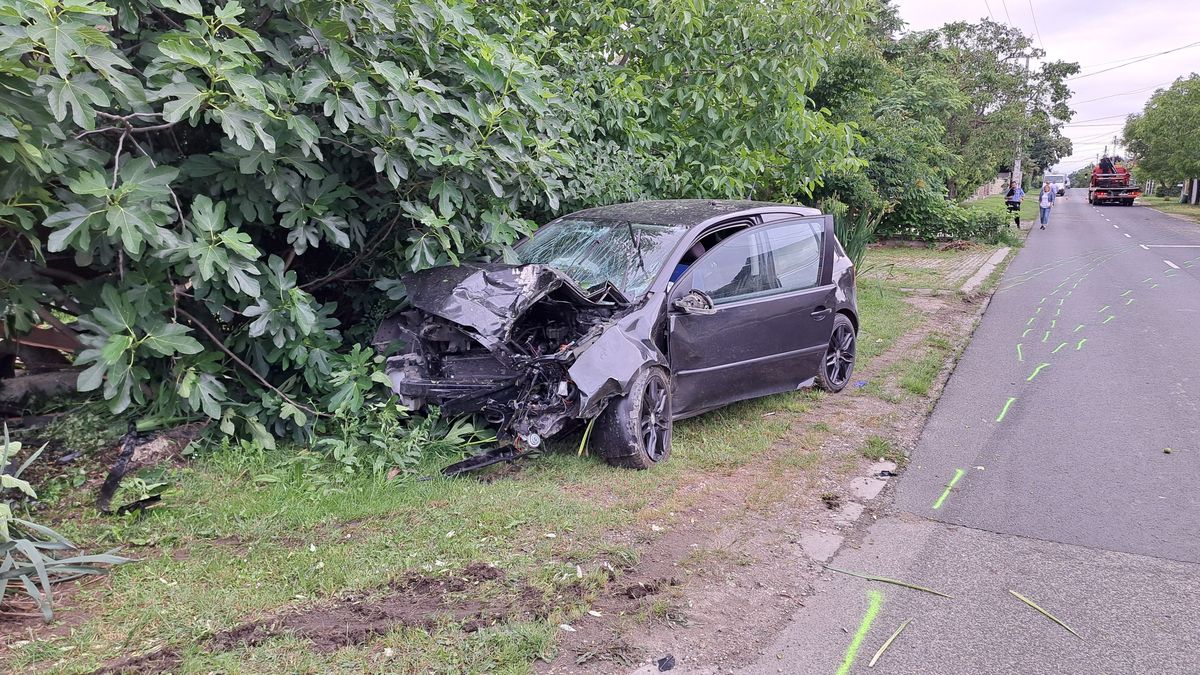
(1036, 30)
(1123, 59)
(1130, 63)
(1097, 119)
(1006, 14)
(1102, 124)
(1124, 93)
(989, 9)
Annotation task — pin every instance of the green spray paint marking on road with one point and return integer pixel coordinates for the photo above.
(1078, 328)
(1046, 336)
(874, 602)
(1058, 348)
(1037, 370)
(1058, 312)
(1126, 292)
(1101, 310)
(1004, 411)
(1020, 357)
(1038, 310)
(1080, 345)
(958, 473)
(1068, 293)
(1110, 318)
(1042, 302)
(1060, 301)
(1031, 320)
(1129, 301)
(1026, 332)
(1053, 322)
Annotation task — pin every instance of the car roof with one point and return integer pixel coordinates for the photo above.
(687, 212)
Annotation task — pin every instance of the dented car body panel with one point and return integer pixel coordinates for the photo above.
(732, 299)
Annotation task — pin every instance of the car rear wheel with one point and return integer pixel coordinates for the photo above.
(838, 362)
(635, 431)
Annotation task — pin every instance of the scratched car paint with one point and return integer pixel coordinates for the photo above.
(623, 319)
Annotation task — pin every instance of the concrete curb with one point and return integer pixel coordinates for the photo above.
(980, 276)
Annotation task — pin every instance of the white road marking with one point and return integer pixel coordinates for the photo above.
(1171, 264)
(1127, 235)
(1116, 226)
(1144, 246)
(1174, 245)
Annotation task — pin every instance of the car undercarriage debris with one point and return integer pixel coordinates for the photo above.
(522, 345)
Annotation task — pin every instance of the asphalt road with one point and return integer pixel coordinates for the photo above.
(1070, 433)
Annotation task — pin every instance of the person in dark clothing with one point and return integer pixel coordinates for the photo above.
(1013, 199)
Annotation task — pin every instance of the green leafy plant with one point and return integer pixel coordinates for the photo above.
(29, 565)
(225, 193)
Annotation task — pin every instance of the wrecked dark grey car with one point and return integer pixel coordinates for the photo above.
(629, 317)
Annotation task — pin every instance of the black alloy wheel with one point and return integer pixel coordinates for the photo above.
(655, 420)
(838, 363)
(635, 431)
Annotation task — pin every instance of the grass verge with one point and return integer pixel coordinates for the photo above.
(1171, 205)
(227, 548)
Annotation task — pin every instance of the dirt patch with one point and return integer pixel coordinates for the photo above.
(413, 601)
(735, 549)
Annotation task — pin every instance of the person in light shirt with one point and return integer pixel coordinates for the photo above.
(1045, 203)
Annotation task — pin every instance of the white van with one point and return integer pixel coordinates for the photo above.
(1058, 183)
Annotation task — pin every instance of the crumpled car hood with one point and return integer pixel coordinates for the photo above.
(489, 298)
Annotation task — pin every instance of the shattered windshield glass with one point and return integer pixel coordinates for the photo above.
(592, 252)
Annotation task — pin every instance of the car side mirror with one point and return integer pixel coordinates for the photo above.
(695, 302)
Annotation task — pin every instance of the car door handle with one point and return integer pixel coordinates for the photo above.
(822, 312)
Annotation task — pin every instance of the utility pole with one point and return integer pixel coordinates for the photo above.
(1016, 172)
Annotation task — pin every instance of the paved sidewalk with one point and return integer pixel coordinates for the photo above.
(927, 269)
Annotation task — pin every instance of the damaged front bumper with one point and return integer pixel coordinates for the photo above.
(523, 346)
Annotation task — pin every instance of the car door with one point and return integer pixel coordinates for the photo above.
(770, 319)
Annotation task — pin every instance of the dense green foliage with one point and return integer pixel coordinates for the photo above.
(222, 195)
(940, 112)
(1162, 137)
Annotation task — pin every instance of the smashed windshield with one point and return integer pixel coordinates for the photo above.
(591, 252)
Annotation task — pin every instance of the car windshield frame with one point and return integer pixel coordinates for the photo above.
(592, 251)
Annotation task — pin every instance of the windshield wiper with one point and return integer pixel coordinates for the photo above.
(636, 248)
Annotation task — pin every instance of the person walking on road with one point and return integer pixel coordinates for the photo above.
(1013, 200)
(1046, 202)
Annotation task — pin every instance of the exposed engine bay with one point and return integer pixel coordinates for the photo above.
(512, 343)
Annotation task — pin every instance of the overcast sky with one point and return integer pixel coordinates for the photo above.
(1098, 34)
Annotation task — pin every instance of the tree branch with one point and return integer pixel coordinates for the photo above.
(245, 366)
(350, 266)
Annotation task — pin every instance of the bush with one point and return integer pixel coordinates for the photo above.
(225, 193)
(927, 216)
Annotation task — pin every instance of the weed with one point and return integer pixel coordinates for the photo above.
(879, 448)
(821, 427)
(920, 373)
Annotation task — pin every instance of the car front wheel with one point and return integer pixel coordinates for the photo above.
(838, 362)
(635, 431)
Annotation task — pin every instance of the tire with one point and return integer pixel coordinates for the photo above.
(837, 364)
(634, 431)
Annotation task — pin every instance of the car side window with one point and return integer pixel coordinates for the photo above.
(796, 251)
(761, 261)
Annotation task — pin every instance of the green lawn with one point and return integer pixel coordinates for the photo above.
(228, 546)
(923, 267)
(995, 203)
(1172, 205)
